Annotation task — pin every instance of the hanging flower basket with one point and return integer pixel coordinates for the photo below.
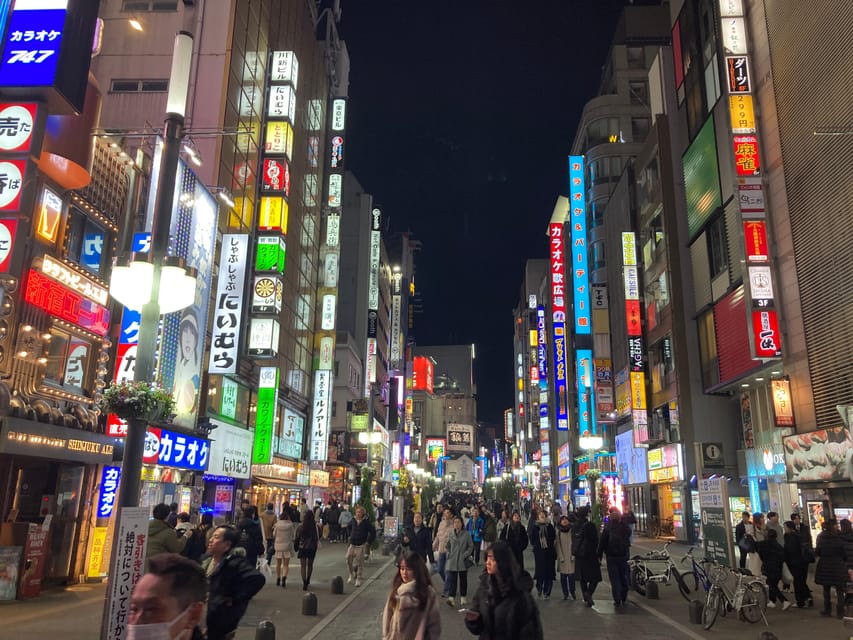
(137, 400)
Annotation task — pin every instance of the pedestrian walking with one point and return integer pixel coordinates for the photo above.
(502, 607)
(565, 559)
(757, 531)
(797, 563)
(162, 537)
(418, 539)
(306, 541)
(543, 535)
(268, 520)
(251, 535)
(831, 570)
(475, 527)
(585, 549)
(172, 518)
(459, 548)
(806, 544)
(361, 537)
(740, 535)
(284, 531)
(233, 582)
(344, 523)
(411, 611)
(615, 544)
(516, 537)
(439, 545)
(168, 600)
(490, 530)
(772, 556)
(502, 524)
(631, 520)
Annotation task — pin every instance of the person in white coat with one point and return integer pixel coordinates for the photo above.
(283, 531)
(439, 544)
(565, 559)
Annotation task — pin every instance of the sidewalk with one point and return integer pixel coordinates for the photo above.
(74, 613)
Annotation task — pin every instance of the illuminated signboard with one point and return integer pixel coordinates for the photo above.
(747, 159)
(760, 285)
(541, 348)
(263, 337)
(435, 449)
(74, 280)
(373, 276)
(337, 152)
(8, 230)
(665, 464)
(733, 31)
(12, 174)
(276, 176)
(560, 384)
(558, 269)
(108, 492)
(765, 334)
(327, 314)
(333, 230)
(629, 249)
(230, 451)
(755, 240)
(270, 254)
(742, 113)
(228, 304)
(422, 374)
(335, 189)
(750, 193)
(266, 415)
(49, 215)
(16, 125)
(317, 478)
(279, 138)
(783, 408)
(267, 294)
(282, 102)
(320, 416)
(579, 259)
(60, 301)
(460, 437)
(293, 430)
(586, 414)
(179, 450)
(738, 74)
(731, 8)
(284, 68)
(273, 214)
(339, 112)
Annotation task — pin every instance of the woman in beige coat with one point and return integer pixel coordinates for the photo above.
(439, 543)
(411, 612)
(565, 559)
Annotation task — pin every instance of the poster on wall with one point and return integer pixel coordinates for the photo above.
(10, 560)
(825, 455)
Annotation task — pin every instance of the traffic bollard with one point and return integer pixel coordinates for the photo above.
(265, 630)
(695, 608)
(652, 591)
(309, 604)
(337, 585)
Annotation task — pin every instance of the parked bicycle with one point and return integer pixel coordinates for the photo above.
(734, 590)
(656, 566)
(661, 527)
(699, 570)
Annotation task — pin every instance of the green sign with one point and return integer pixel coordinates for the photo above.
(270, 254)
(266, 415)
(228, 406)
(716, 524)
(359, 423)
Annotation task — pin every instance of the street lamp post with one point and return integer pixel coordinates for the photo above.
(591, 444)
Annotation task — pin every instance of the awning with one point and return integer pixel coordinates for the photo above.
(277, 482)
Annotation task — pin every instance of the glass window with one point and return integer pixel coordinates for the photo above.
(638, 91)
(639, 129)
(708, 349)
(717, 251)
(598, 255)
(636, 57)
(149, 5)
(139, 86)
(68, 359)
(87, 243)
(602, 130)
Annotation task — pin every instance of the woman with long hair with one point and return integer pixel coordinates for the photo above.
(411, 611)
(503, 608)
(306, 542)
(283, 530)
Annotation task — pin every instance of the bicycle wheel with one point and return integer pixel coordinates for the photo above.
(754, 602)
(654, 528)
(683, 589)
(711, 609)
(638, 580)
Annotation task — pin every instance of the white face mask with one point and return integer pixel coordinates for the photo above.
(158, 630)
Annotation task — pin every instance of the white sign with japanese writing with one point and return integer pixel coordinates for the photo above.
(127, 567)
(339, 112)
(228, 304)
(230, 451)
(284, 68)
(320, 416)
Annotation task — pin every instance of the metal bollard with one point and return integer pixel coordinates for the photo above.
(337, 585)
(265, 630)
(652, 591)
(695, 608)
(309, 604)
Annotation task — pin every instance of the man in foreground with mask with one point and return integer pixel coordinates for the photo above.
(168, 602)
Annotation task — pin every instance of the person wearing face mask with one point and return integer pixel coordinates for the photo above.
(168, 601)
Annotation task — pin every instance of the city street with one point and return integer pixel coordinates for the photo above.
(74, 613)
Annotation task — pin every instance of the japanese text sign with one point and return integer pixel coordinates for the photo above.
(109, 491)
(179, 450)
(228, 304)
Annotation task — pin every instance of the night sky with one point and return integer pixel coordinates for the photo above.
(460, 118)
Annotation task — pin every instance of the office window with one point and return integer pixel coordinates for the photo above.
(708, 349)
(149, 5)
(139, 86)
(639, 129)
(638, 91)
(717, 252)
(87, 243)
(636, 57)
(68, 359)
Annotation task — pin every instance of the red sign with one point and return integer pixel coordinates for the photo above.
(151, 452)
(60, 301)
(747, 160)
(558, 271)
(633, 318)
(276, 176)
(423, 374)
(765, 334)
(12, 176)
(17, 122)
(534, 374)
(738, 73)
(755, 239)
(8, 228)
(35, 557)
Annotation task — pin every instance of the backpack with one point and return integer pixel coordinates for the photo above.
(195, 547)
(747, 544)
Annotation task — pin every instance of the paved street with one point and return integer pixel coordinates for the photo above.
(74, 613)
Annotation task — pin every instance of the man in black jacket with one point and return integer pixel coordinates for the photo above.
(418, 538)
(615, 543)
(360, 538)
(740, 532)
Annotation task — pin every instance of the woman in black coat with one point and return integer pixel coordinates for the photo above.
(502, 608)
(795, 558)
(831, 570)
(515, 536)
(585, 550)
(306, 541)
(772, 558)
(544, 536)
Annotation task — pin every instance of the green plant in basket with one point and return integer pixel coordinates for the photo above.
(137, 400)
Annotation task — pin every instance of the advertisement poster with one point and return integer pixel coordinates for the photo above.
(716, 521)
(10, 560)
(819, 456)
(35, 556)
(96, 553)
(126, 567)
(222, 498)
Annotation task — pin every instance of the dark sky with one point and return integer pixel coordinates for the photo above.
(460, 118)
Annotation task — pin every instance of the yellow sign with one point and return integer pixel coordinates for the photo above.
(742, 113)
(49, 216)
(638, 390)
(623, 399)
(273, 215)
(534, 338)
(318, 478)
(279, 138)
(96, 552)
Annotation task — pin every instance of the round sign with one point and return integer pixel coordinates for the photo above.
(152, 446)
(12, 182)
(5, 244)
(17, 127)
(265, 287)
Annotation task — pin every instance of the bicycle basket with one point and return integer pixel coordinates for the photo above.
(718, 574)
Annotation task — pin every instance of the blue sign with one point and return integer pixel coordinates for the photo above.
(31, 48)
(109, 491)
(541, 348)
(580, 259)
(93, 247)
(141, 242)
(130, 320)
(179, 450)
(561, 398)
(586, 401)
